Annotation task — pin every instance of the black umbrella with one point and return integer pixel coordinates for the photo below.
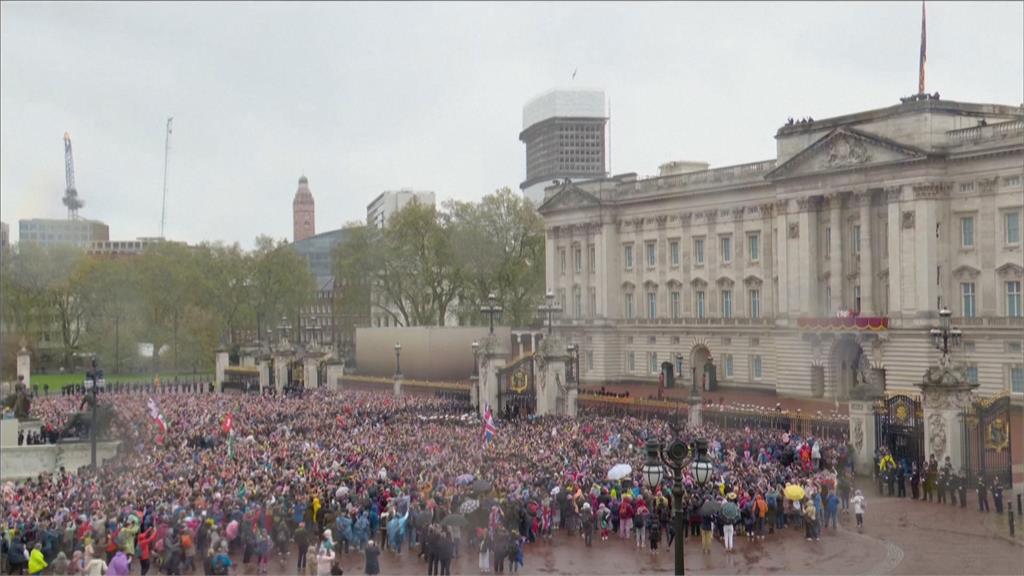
(457, 520)
(709, 508)
(481, 486)
(424, 518)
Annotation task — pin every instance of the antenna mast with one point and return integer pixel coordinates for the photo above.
(167, 151)
(71, 199)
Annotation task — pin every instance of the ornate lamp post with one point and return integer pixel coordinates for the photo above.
(492, 309)
(398, 361)
(550, 308)
(674, 458)
(946, 336)
(476, 355)
(574, 363)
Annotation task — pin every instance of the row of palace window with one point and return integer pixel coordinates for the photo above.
(1011, 237)
(969, 299)
(1011, 230)
(756, 364)
(700, 304)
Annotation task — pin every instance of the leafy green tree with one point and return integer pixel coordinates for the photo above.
(281, 284)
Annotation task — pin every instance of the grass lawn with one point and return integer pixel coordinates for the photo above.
(56, 381)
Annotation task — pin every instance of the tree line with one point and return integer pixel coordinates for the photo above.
(181, 301)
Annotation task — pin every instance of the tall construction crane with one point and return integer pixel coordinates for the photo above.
(71, 199)
(167, 153)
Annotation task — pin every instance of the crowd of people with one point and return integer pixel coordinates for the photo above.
(205, 484)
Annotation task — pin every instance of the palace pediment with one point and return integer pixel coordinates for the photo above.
(569, 196)
(842, 149)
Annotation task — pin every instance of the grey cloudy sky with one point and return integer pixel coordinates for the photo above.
(368, 97)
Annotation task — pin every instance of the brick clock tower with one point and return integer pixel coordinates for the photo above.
(303, 212)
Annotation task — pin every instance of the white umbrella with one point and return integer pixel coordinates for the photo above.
(620, 471)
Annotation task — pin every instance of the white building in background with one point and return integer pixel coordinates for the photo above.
(388, 203)
(805, 272)
(564, 133)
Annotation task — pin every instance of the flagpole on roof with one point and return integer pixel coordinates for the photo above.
(924, 52)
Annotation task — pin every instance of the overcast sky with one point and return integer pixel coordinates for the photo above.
(363, 98)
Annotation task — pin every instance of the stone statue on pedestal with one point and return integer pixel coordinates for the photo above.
(20, 401)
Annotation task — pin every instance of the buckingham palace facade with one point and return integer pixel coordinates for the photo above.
(812, 273)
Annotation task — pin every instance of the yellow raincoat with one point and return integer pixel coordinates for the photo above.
(36, 562)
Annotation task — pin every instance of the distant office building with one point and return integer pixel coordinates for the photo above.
(564, 133)
(53, 232)
(122, 248)
(5, 235)
(379, 212)
(303, 212)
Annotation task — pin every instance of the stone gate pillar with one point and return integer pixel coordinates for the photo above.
(25, 367)
(280, 373)
(264, 368)
(946, 392)
(310, 373)
(220, 363)
(494, 354)
(551, 386)
(862, 435)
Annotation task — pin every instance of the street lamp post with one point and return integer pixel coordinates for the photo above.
(398, 361)
(574, 363)
(550, 308)
(92, 381)
(476, 352)
(674, 458)
(946, 336)
(492, 309)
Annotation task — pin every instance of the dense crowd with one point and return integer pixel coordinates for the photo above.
(309, 478)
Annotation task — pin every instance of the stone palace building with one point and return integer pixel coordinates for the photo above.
(812, 273)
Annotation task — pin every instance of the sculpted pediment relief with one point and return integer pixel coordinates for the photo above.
(568, 197)
(969, 272)
(1010, 270)
(845, 148)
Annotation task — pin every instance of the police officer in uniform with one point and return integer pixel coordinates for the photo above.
(915, 481)
(961, 489)
(932, 477)
(997, 494)
(943, 484)
(982, 494)
(890, 477)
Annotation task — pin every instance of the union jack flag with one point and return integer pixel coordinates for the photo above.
(489, 429)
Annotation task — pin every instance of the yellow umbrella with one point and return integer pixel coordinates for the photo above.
(794, 492)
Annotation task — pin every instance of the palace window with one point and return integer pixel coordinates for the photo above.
(726, 248)
(698, 251)
(631, 361)
(967, 299)
(673, 249)
(1011, 227)
(756, 368)
(652, 362)
(728, 366)
(967, 232)
(1013, 299)
(755, 303)
(652, 256)
(754, 247)
(675, 304)
(726, 303)
(972, 373)
(590, 360)
(628, 256)
(1017, 379)
(856, 299)
(561, 256)
(855, 239)
(577, 258)
(577, 302)
(592, 257)
(652, 305)
(592, 302)
(828, 242)
(561, 298)
(700, 304)
(629, 306)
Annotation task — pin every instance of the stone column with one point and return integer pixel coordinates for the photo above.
(397, 387)
(493, 356)
(280, 373)
(220, 363)
(25, 367)
(695, 411)
(551, 385)
(835, 220)
(897, 224)
(867, 276)
(862, 435)
(264, 367)
(808, 263)
(334, 375)
(310, 373)
(946, 393)
(782, 252)
(926, 245)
